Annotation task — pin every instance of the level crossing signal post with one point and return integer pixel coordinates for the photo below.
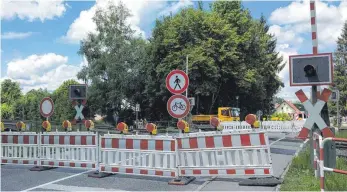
(78, 95)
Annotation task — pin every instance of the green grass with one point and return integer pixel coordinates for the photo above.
(341, 134)
(300, 176)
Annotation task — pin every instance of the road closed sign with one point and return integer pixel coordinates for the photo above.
(178, 106)
(177, 81)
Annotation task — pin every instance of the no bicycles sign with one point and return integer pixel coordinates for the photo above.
(178, 106)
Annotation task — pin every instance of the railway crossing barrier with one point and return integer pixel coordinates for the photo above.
(319, 168)
(182, 157)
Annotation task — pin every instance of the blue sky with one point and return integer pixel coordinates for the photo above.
(52, 35)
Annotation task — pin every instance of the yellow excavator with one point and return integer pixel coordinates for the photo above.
(224, 114)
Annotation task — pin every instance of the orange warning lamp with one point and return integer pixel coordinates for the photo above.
(251, 119)
(151, 128)
(89, 124)
(183, 125)
(67, 125)
(122, 127)
(47, 126)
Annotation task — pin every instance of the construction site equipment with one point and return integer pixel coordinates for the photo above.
(224, 114)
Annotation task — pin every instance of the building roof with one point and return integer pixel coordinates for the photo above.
(291, 105)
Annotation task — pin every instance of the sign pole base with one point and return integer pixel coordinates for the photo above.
(98, 174)
(182, 180)
(41, 168)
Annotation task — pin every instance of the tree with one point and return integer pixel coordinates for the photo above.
(340, 72)
(28, 106)
(10, 91)
(115, 55)
(6, 111)
(230, 55)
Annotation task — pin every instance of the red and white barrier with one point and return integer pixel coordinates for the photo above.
(319, 162)
(19, 148)
(240, 153)
(138, 155)
(77, 149)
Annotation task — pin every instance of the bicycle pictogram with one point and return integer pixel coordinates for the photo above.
(178, 105)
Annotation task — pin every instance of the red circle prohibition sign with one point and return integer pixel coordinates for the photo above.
(41, 105)
(172, 89)
(171, 110)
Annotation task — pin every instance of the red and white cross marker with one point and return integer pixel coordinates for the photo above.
(314, 111)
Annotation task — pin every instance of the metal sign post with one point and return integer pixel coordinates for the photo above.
(137, 109)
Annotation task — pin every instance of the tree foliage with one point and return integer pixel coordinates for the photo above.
(230, 54)
(114, 56)
(340, 73)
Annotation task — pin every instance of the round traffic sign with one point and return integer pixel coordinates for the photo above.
(46, 107)
(259, 113)
(178, 106)
(177, 81)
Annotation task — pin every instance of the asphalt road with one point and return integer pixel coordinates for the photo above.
(19, 178)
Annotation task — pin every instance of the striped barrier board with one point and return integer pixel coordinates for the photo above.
(19, 148)
(244, 153)
(138, 155)
(76, 150)
(269, 126)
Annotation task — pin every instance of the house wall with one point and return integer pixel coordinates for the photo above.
(284, 108)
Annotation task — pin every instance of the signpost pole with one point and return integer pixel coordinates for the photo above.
(330, 155)
(137, 116)
(337, 109)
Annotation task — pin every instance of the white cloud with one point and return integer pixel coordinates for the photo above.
(293, 21)
(142, 12)
(176, 7)
(16, 35)
(284, 36)
(41, 71)
(32, 10)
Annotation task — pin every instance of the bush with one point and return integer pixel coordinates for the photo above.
(281, 116)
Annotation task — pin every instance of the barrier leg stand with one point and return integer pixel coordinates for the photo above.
(98, 173)
(38, 166)
(179, 180)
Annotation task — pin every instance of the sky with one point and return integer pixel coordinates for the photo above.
(40, 39)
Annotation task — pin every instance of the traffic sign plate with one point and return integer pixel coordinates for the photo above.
(178, 106)
(46, 107)
(177, 81)
(259, 113)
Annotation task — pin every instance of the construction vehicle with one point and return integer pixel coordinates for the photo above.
(224, 114)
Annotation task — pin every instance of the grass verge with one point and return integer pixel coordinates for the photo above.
(300, 176)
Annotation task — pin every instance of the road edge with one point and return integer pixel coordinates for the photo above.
(278, 187)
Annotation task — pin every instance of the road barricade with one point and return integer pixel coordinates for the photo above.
(244, 153)
(278, 126)
(235, 126)
(72, 149)
(19, 148)
(144, 155)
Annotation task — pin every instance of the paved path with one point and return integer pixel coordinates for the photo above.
(19, 178)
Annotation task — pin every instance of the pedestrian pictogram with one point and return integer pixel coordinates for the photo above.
(177, 81)
(314, 111)
(178, 106)
(46, 107)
